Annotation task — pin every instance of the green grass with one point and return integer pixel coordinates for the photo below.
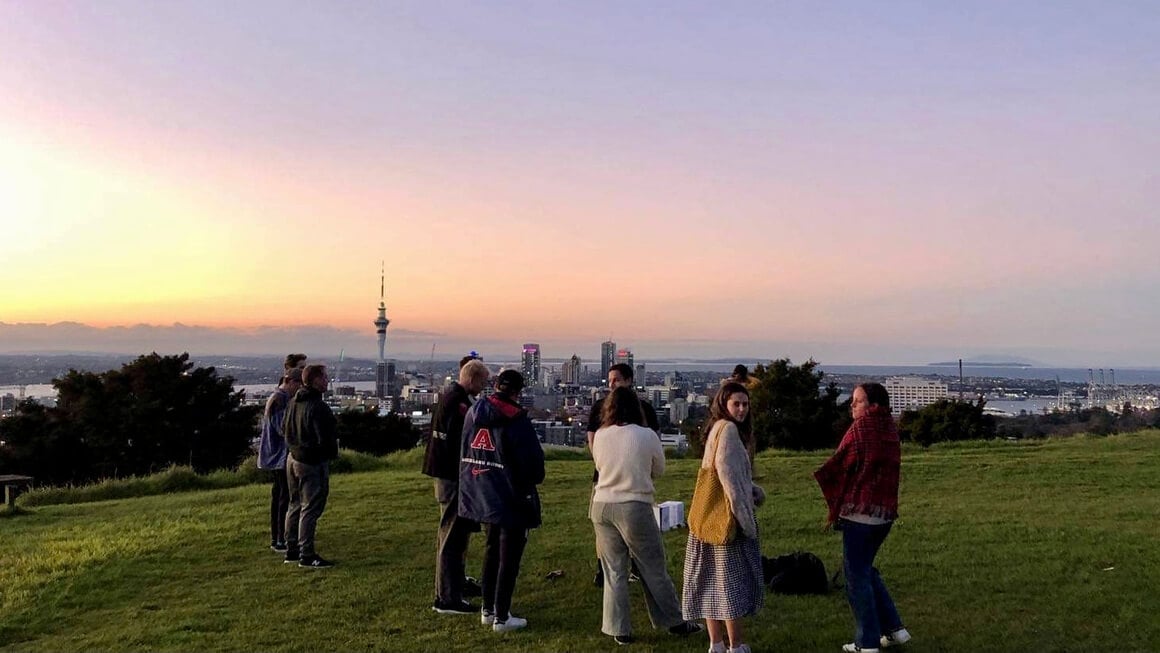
(1001, 547)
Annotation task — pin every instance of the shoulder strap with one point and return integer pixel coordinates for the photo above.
(715, 434)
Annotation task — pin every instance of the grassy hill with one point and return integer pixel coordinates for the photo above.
(1049, 546)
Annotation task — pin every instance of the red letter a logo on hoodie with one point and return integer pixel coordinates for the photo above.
(482, 440)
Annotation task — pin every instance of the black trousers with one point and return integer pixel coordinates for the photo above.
(451, 543)
(501, 567)
(279, 502)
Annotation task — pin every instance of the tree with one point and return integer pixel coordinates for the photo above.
(790, 408)
(368, 432)
(945, 421)
(154, 412)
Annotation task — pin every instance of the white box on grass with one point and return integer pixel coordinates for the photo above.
(670, 514)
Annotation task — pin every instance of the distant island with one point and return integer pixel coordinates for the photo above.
(979, 364)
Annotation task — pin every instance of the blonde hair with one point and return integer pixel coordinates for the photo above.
(473, 369)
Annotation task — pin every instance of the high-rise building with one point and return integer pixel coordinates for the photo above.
(638, 376)
(607, 358)
(391, 385)
(570, 371)
(531, 372)
(624, 356)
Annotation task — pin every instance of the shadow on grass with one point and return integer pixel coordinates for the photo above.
(7, 511)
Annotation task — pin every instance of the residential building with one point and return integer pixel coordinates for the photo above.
(912, 393)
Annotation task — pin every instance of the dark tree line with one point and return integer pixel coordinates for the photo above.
(1097, 421)
(378, 435)
(792, 408)
(153, 412)
(945, 421)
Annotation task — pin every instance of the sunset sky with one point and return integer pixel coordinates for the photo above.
(858, 182)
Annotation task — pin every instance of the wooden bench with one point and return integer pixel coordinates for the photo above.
(13, 485)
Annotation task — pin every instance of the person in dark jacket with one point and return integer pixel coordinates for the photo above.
(442, 463)
(501, 465)
(311, 435)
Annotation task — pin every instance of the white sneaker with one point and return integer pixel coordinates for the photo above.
(900, 636)
(512, 623)
(486, 618)
(852, 647)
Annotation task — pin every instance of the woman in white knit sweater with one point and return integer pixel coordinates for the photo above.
(628, 456)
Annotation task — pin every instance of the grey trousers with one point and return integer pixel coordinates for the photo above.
(309, 489)
(627, 531)
(450, 543)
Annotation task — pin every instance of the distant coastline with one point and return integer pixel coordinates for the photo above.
(978, 364)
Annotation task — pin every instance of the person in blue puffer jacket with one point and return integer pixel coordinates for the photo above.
(501, 464)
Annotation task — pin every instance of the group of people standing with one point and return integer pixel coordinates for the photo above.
(487, 461)
(298, 440)
(723, 583)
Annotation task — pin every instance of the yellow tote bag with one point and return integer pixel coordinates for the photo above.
(710, 518)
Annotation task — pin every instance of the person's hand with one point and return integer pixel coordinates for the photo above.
(758, 495)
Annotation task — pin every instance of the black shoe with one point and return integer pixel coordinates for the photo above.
(315, 562)
(686, 628)
(453, 607)
(291, 557)
(279, 547)
(623, 640)
(471, 587)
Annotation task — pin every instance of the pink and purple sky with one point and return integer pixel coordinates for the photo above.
(858, 182)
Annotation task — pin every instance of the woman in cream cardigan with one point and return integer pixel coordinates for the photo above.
(723, 583)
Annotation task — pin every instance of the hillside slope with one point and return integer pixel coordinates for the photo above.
(1008, 547)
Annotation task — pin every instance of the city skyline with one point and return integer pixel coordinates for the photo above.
(852, 183)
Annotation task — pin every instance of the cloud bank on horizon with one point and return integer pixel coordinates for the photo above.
(896, 182)
(328, 342)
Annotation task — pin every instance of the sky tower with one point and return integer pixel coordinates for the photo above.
(381, 322)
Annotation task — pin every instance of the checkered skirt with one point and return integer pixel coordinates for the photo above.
(722, 582)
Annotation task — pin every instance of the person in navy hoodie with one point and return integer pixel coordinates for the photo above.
(502, 462)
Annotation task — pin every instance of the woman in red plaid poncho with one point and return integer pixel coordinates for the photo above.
(860, 483)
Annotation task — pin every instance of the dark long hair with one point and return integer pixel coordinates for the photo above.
(621, 406)
(876, 394)
(719, 410)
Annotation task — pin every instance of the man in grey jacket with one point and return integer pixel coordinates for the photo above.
(311, 434)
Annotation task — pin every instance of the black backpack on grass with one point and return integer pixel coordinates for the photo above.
(800, 572)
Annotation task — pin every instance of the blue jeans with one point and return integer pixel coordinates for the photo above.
(874, 611)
